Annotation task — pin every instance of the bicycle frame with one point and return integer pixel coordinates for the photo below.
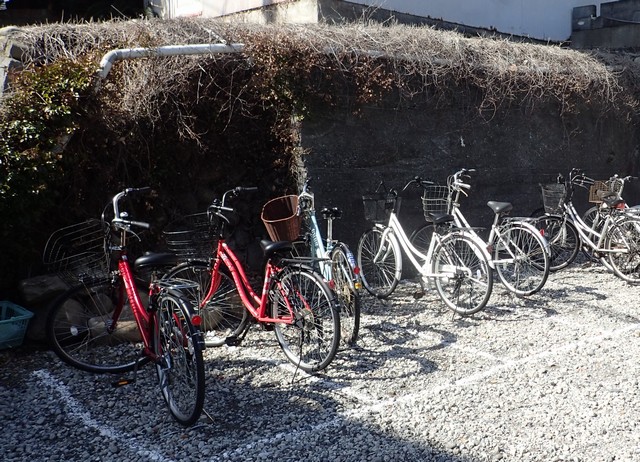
(494, 234)
(142, 316)
(319, 249)
(395, 231)
(256, 305)
(593, 238)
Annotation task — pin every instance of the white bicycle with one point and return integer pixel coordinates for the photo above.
(453, 261)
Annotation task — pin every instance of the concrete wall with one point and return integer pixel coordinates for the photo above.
(617, 26)
(298, 12)
(513, 151)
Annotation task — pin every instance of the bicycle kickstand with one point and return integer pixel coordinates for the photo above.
(236, 340)
(124, 381)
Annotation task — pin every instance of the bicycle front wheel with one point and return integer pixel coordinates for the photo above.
(522, 259)
(463, 277)
(623, 248)
(223, 314)
(380, 262)
(85, 331)
(177, 345)
(311, 341)
(344, 282)
(563, 238)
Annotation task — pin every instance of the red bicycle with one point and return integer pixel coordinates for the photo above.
(295, 301)
(102, 325)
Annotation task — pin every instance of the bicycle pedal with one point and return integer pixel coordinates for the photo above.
(122, 382)
(267, 327)
(418, 294)
(232, 341)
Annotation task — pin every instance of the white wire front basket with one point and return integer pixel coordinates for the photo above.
(436, 199)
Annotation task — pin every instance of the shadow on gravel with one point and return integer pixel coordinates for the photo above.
(257, 413)
(307, 418)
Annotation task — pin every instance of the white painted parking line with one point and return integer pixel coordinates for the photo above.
(75, 410)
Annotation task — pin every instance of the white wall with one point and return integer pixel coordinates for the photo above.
(540, 19)
(222, 7)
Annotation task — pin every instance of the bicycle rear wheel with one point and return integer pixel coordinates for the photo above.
(179, 365)
(623, 246)
(223, 315)
(312, 340)
(380, 262)
(563, 238)
(522, 259)
(464, 278)
(83, 331)
(344, 282)
(421, 237)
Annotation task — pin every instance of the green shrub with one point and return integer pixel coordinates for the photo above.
(36, 120)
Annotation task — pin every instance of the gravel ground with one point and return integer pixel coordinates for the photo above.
(552, 377)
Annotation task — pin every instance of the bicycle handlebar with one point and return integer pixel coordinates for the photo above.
(419, 182)
(236, 192)
(219, 206)
(119, 219)
(577, 177)
(455, 180)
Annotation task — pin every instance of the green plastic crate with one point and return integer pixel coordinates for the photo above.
(13, 324)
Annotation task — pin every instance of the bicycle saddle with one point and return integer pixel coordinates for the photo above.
(611, 199)
(500, 207)
(333, 213)
(438, 218)
(152, 259)
(270, 247)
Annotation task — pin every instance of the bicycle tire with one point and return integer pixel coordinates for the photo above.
(224, 315)
(563, 239)
(77, 328)
(527, 270)
(312, 340)
(344, 284)
(590, 217)
(469, 288)
(537, 213)
(177, 345)
(623, 244)
(380, 277)
(421, 237)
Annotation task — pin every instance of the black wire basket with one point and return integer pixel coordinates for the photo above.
(553, 197)
(379, 205)
(191, 236)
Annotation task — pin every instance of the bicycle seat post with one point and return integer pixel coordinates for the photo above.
(329, 229)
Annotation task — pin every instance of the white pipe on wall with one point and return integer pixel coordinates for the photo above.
(170, 50)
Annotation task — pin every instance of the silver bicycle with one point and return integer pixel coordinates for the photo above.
(615, 242)
(516, 250)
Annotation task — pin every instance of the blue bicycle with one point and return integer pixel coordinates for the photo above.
(333, 260)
